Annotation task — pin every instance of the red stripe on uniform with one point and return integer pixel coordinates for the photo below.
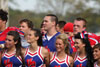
(40, 54)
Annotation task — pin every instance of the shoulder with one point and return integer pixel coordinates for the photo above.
(57, 33)
(45, 54)
(44, 50)
(23, 50)
(71, 58)
(12, 28)
(2, 52)
(51, 55)
(71, 61)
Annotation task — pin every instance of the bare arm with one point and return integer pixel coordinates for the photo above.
(71, 60)
(46, 55)
(23, 50)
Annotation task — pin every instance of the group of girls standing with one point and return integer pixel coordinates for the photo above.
(13, 55)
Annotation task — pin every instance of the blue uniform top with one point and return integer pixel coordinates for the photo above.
(50, 43)
(55, 62)
(34, 59)
(80, 62)
(10, 60)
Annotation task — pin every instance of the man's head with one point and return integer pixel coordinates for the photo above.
(3, 17)
(50, 21)
(26, 25)
(68, 29)
(60, 25)
(79, 25)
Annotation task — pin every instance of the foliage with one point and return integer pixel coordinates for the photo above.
(66, 10)
(16, 15)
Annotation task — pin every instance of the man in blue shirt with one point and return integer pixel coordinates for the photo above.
(49, 38)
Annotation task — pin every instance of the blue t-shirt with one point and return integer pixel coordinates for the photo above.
(50, 43)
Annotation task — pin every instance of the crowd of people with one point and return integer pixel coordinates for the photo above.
(55, 44)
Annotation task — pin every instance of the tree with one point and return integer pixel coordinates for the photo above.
(4, 4)
(54, 6)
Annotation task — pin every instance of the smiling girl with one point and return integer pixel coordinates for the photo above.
(61, 57)
(11, 55)
(96, 54)
(83, 56)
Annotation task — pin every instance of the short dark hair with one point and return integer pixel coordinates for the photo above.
(53, 17)
(82, 19)
(61, 23)
(28, 22)
(3, 15)
(97, 46)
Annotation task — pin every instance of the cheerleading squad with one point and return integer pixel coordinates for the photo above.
(57, 44)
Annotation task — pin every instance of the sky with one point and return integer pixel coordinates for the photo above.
(23, 4)
(30, 5)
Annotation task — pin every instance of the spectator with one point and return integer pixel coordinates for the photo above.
(68, 30)
(60, 25)
(49, 23)
(3, 29)
(80, 26)
(25, 26)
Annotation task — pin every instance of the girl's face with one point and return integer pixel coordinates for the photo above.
(60, 45)
(79, 45)
(31, 38)
(43, 30)
(9, 42)
(96, 53)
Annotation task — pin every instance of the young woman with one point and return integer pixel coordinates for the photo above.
(96, 54)
(43, 31)
(35, 54)
(61, 57)
(11, 55)
(83, 56)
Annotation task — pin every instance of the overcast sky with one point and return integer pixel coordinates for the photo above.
(23, 4)
(31, 5)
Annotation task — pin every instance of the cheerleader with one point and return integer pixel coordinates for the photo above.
(96, 54)
(61, 57)
(11, 55)
(35, 55)
(83, 56)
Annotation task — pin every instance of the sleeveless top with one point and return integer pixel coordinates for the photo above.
(55, 62)
(34, 59)
(80, 62)
(10, 60)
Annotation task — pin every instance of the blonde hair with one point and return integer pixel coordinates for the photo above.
(64, 38)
